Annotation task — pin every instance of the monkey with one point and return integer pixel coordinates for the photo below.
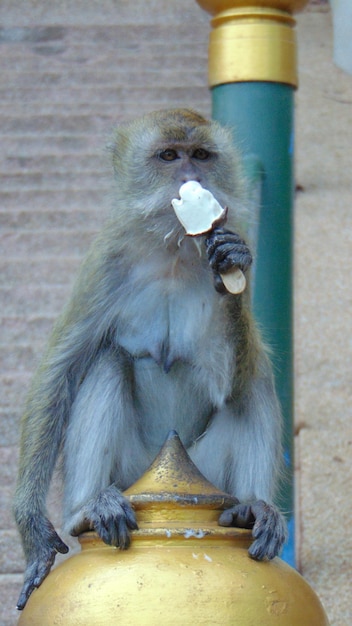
(151, 341)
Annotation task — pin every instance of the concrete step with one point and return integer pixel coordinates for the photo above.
(98, 12)
(54, 124)
(118, 35)
(8, 475)
(51, 200)
(6, 499)
(14, 387)
(55, 163)
(66, 144)
(10, 427)
(19, 63)
(21, 359)
(10, 587)
(93, 110)
(117, 111)
(8, 456)
(11, 555)
(36, 244)
(36, 179)
(15, 271)
(46, 219)
(131, 71)
(26, 329)
(34, 300)
(113, 103)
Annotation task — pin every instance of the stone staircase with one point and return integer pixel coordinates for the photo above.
(67, 79)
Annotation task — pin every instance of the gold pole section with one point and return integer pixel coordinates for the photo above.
(252, 43)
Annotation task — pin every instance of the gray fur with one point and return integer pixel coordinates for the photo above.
(146, 344)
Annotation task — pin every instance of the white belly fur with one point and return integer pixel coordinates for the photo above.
(174, 328)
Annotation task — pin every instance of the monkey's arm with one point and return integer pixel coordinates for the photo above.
(42, 431)
(73, 344)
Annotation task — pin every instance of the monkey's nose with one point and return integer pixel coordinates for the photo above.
(188, 177)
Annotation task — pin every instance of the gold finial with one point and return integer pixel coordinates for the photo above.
(173, 478)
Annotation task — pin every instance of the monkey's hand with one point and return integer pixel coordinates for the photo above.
(44, 543)
(111, 516)
(267, 523)
(226, 250)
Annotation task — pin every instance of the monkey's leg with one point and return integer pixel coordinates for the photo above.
(239, 454)
(103, 431)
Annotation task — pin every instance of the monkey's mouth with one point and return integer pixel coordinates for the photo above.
(198, 210)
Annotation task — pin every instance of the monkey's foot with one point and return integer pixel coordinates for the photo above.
(267, 523)
(46, 544)
(111, 516)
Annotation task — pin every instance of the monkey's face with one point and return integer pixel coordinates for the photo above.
(158, 153)
(179, 163)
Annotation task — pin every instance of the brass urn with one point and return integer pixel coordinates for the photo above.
(181, 568)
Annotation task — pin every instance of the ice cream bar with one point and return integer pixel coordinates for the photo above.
(199, 212)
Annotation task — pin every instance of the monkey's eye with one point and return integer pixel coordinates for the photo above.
(201, 154)
(168, 155)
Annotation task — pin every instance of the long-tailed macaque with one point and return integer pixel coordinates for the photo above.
(151, 341)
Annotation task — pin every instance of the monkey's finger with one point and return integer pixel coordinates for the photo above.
(267, 546)
(118, 532)
(269, 531)
(111, 531)
(219, 248)
(43, 567)
(103, 533)
(273, 535)
(130, 517)
(124, 534)
(114, 532)
(218, 236)
(227, 256)
(26, 591)
(239, 515)
(267, 520)
(257, 550)
(34, 576)
(219, 285)
(127, 522)
(101, 526)
(226, 518)
(24, 595)
(60, 546)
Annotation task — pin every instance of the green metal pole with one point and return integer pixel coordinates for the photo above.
(252, 73)
(262, 117)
